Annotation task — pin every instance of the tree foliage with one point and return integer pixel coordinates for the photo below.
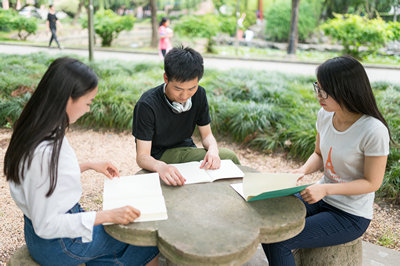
(108, 25)
(206, 26)
(11, 20)
(370, 7)
(279, 14)
(355, 32)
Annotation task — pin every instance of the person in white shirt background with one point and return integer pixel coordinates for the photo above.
(44, 177)
(352, 146)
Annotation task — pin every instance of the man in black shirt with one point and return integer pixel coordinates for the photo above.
(51, 23)
(165, 117)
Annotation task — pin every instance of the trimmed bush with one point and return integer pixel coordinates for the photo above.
(108, 25)
(24, 26)
(11, 20)
(354, 32)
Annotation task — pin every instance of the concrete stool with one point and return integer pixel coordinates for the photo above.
(349, 253)
(22, 258)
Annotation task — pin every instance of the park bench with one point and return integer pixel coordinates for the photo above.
(347, 254)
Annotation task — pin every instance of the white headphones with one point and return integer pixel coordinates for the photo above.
(176, 107)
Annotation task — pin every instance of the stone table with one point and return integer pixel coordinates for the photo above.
(210, 224)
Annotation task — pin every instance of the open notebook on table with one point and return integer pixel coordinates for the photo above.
(142, 192)
(258, 186)
(192, 172)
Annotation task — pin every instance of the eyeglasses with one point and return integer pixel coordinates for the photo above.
(319, 92)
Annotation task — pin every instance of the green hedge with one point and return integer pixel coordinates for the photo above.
(265, 110)
(108, 25)
(354, 32)
(11, 20)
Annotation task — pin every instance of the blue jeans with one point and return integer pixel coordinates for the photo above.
(325, 226)
(102, 250)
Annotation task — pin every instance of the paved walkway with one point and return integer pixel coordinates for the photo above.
(375, 73)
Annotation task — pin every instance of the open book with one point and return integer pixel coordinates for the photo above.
(142, 192)
(258, 186)
(192, 172)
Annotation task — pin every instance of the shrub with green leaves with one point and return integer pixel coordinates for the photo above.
(108, 25)
(354, 32)
(24, 26)
(11, 20)
(5, 19)
(278, 18)
(206, 26)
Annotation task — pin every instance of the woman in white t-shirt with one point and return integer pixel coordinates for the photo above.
(352, 146)
(44, 176)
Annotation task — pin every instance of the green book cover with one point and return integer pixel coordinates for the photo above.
(257, 186)
(278, 193)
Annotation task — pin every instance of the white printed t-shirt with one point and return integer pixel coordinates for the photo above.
(48, 215)
(343, 154)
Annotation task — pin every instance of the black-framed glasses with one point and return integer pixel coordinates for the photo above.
(319, 92)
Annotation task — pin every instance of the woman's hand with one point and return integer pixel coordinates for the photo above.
(123, 215)
(106, 168)
(314, 193)
(299, 171)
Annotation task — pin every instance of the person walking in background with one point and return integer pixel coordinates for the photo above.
(352, 146)
(51, 23)
(45, 177)
(165, 33)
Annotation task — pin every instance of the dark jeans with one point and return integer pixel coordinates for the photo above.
(102, 250)
(325, 226)
(54, 37)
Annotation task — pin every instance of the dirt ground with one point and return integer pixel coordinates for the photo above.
(119, 148)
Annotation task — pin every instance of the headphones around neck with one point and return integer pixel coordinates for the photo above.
(176, 107)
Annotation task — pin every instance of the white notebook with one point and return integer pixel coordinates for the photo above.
(142, 192)
(192, 172)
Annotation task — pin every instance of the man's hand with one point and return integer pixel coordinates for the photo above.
(314, 193)
(211, 160)
(170, 175)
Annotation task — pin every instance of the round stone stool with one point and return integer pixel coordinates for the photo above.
(349, 253)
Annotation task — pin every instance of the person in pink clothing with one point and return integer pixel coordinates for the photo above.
(165, 34)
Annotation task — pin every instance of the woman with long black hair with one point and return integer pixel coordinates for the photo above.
(44, 177)
(352, 146)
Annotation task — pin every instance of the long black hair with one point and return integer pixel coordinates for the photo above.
(44, 117)
(163, 20)
(345, 80)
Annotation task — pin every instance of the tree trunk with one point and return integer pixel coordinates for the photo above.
(78, 12)
(293, 34)
(6, 4)
(154, 23)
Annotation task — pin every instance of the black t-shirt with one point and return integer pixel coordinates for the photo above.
(52, 20)
(154, 120)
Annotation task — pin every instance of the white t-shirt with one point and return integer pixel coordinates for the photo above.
(343, 154)
(48, 215)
